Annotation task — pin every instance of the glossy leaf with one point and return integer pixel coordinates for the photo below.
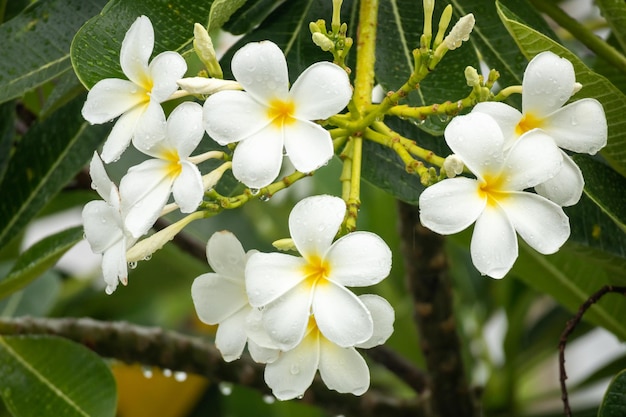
(247, 18)
(96, 47)
(614, 402)
(36, 43)
(39, 258)
(532, 42)
(7, 134)
(221, 11)
(37, 299)
(46, 376)
(48, 156)
(614, 11)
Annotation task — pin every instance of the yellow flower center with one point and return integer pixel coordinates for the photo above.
(491, 189)
(281, 112)
(528, 122)
(174, 167)
(316, 271)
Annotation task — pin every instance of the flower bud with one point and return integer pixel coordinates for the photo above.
(577, 87)
(453, 165)
(444, 22)
(322, 41)
(471, 76)
(284, 244)
(206, 86)
(203, 46)
(209, 180)
(460, 32)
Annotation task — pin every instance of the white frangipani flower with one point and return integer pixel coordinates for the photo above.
(137, 99)
(290, 288)
(495, 200)
(104, 227)
(580, 126)
(220, 298)
(268, 116)
(146, 187)
(342, 369)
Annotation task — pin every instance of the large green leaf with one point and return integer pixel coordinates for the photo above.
(49, 377)
(221, 11)
(595, 86)
(7, 134)
(39, 258)
(614, 11)
(48, 156)
(614, 402)
(96, 47)
(247, 18)
(36, 44)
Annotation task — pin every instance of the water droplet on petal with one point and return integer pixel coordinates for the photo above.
(254, 191)
(132, 265)
(295, 369)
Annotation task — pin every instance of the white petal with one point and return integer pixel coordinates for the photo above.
(102, 225)
(114, 266)
(258, 158)
(383, 317)
(308, 145)
(314, 222)
(226, 255)
(110, 98)
(187, 188)
(150, 129)
(478, 140)
(343, 369)
(261, 69)
(340, 315)
(100, 179)
(292, 373)
(261, 354)
(121, 134)
(184, 127)
(285, 319)
(257, 333)
(451, 205)
(231, 338)
(216, 297)
(144, 190)
(566, 187)
(540, 222)
(359, 259)
(548, 83)
(321, 91)
(165, 69)
(136, 50)
(270, 275)
(230, 116)
(579, 127)
(534, 158)
(494, 244)
(506, 116)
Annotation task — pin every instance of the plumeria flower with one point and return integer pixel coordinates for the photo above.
(146, 187)
(342, 369)
(104, 227)
(268, 116)
(290, 288)
(137, 99)
(495, 200)
(220, 298)
(549, 82)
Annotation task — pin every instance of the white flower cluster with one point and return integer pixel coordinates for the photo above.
(296, 313)
(509, 152)
(263, 119)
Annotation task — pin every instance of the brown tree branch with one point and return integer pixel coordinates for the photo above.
(426, 269)
(154, 346)
(569, 329)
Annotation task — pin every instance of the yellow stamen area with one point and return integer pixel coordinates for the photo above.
(491, 189)
(174, 167)
(528, 122)
(281, 112)
(316, 271)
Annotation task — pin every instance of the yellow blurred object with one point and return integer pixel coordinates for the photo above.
(149, 392)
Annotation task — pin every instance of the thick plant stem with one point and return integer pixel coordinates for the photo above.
(426, 269)
(170, 350)
(366, 54)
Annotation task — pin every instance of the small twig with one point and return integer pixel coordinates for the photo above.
(401, 367)
(569, 328)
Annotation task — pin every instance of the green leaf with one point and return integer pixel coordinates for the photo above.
(7, 134)
(247, 18)
(605, 187)
(36, 43)
(595, 86)
(39, 258)
(614, 11)
(48, 156)
(96, 47)
(614, 402)
(66, 88)
(47, 377)
(221, 11)
(37, 299)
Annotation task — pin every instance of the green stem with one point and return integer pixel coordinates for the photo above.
(366, 53)
(354, 197)
(583, 34)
